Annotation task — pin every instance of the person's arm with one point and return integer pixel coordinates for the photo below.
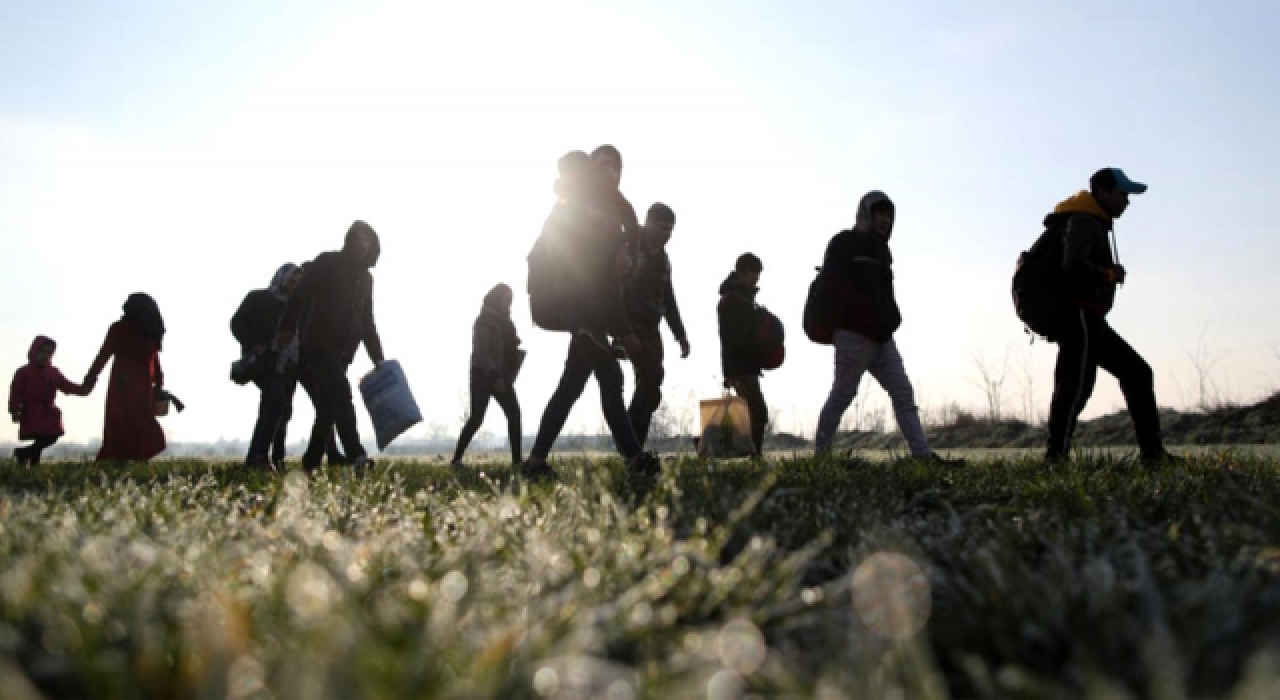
(16, 399)
(66, 386)
(674, 322)
(108, 349)
(1082, 234)
(159, 378)
(372, 341)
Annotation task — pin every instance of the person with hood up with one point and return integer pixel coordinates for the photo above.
(739, 354)
(31, 401)
(859, 265)
(585, 224)
(332, 312)
(254, 327)
(650, 298)
(130, 430)
(1086, 341)
(495, 360)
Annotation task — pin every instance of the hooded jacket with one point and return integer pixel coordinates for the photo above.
(495, 345)
(257, 319)
(859, 267)
(333, 304)
(32, 394)
(1087, 261)
(737, 315)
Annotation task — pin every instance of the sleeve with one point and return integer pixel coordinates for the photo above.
(159, 379)
(1082, 234)
(67, 387)
(736, 343)
(16, 399)
(674, 322)
(372, 341)
(108, 349)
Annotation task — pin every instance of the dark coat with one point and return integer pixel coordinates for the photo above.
(1087, 261)
(257, 319)
(333, 305)
(651, 296)
(737, 314)
(130, 430)
(495, 346)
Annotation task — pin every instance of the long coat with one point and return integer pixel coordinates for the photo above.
(130, 430)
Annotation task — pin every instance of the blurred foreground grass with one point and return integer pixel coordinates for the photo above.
(725, 580)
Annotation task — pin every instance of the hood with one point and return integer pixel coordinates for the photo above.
(1081, 202)
(491, 300)
(143, 311)
(863, 222)
(733, 283)
(40, 342)
(375, 248)
(280, 279)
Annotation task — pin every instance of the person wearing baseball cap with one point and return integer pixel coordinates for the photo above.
(1091, 272)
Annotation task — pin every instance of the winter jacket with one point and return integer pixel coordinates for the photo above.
(130, 430)
(33, 392)
(650, 294)
(737, 315)
(333, 304)
(858, 265)
(495, 345)
(1087, 263)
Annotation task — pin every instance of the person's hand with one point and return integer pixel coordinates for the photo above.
(633, 345)
(499, 386)
(732, 384)
(258, 349)
(88, 384)
(1118, 274)
(684, 348)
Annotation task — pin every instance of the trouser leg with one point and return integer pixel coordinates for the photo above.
(649, 376)
(853, 353)
(889, 370)
(1073, 380)
(577, 370)
(510, 406)
(1137, 383)
(480, 392)
(749, 389)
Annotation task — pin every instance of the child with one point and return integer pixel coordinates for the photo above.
(35, 387)
(495, 360)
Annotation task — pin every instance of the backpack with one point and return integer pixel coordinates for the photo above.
(554, 275)
(819, 311)
(769, 339)
(1038, 282)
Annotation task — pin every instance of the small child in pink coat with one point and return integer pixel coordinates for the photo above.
(31, 401)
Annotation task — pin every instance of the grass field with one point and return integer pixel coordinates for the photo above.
(725, 580)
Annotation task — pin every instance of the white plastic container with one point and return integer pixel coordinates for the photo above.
(389, 402)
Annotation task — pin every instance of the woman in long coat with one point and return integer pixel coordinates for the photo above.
(130, 431)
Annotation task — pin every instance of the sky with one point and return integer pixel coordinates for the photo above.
(187, 149)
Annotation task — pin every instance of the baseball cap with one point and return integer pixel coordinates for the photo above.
(1115, 177)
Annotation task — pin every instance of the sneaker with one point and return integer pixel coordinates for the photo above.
(935, 458)
(536, 470)
(644, 464)
(20, 457)
(259, 463)
(1163, 458)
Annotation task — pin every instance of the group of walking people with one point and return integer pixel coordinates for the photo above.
(603, 279)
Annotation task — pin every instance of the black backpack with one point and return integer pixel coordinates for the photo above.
(557, 272)
(1038, 295)
(819, 311)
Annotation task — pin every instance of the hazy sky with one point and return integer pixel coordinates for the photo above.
(187, 149)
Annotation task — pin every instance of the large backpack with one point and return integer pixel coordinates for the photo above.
(819, 311)
(770, 337)
(557, 272)
(1038, 295)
